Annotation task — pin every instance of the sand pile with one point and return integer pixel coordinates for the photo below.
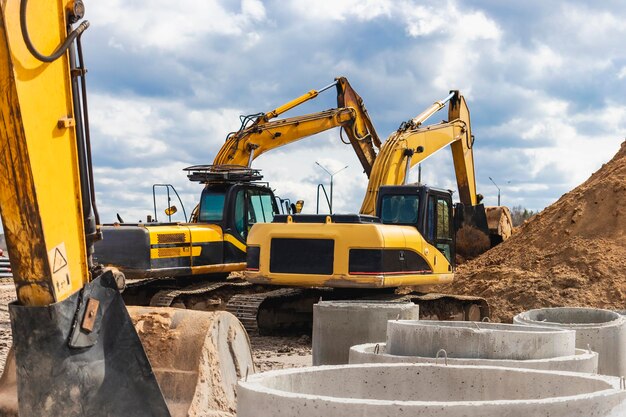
(573, 253)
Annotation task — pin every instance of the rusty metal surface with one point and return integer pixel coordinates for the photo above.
(91, 312)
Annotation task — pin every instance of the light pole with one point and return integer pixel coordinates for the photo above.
(331, 182)
(494, 183)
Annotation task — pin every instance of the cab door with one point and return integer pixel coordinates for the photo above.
(252, 205)
(439, 225)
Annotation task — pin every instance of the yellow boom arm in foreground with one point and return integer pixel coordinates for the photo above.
(40, 196)
(76, 351)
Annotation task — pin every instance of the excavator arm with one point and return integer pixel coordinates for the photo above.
(265, 134)
(76, 351)
(412, 143)
(74, 342)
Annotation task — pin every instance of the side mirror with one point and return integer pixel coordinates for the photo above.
(171, 210)
(299, 206)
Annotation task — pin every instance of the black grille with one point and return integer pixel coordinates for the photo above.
(390, 261)
(302, 256)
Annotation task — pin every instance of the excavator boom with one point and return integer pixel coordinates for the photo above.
(40, 164)
(68, 313)
(265, 134)
(413, 143)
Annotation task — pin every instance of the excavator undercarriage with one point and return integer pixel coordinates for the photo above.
(283, 310)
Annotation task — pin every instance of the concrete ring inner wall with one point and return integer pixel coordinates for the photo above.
(602, 331)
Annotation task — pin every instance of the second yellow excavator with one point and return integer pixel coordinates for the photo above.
(404, 235)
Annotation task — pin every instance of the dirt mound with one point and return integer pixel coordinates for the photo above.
(573, 253)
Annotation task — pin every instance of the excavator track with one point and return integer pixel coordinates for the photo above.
(271, 310)
(280, 311)
(165, 298)
(290, 310)
(246, 306)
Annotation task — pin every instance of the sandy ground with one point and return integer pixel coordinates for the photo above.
(269, 352)
(281, 352)
(7, 294)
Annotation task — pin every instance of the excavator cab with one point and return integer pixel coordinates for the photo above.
(428, 209)
(236, 207)
(213, 243)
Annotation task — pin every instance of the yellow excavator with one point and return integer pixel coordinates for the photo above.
(76, 349)
(404, 235)
(213, 243)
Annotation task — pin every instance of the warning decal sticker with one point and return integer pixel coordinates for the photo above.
(61, 281)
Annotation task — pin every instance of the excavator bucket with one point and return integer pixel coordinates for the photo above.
(197, 357)
(96, 366)
(184, 363)
(480, 228)
(500, 223)
(472, 230)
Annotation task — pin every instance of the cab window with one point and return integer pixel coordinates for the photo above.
(443, 217)
(211, 206)
(262, 207)
(399, 209)
(438, 227)
(240, 211)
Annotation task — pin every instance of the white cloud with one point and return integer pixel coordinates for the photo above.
(447, 18)
(546, 102)
(419, 19)
(544, 59)
(140, 129)
(173, 26)
(342, 10)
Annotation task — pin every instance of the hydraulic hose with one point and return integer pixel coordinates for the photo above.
(60, 50)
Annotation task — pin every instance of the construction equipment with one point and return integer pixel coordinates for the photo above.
(76, 351)
(410, 241)
(233, 198)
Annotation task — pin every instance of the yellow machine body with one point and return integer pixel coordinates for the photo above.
(171, 250)
(347, 237)
(405, 148)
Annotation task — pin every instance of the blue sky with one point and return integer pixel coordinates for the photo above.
(544, 81)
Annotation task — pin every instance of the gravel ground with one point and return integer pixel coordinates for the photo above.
(281, 352)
